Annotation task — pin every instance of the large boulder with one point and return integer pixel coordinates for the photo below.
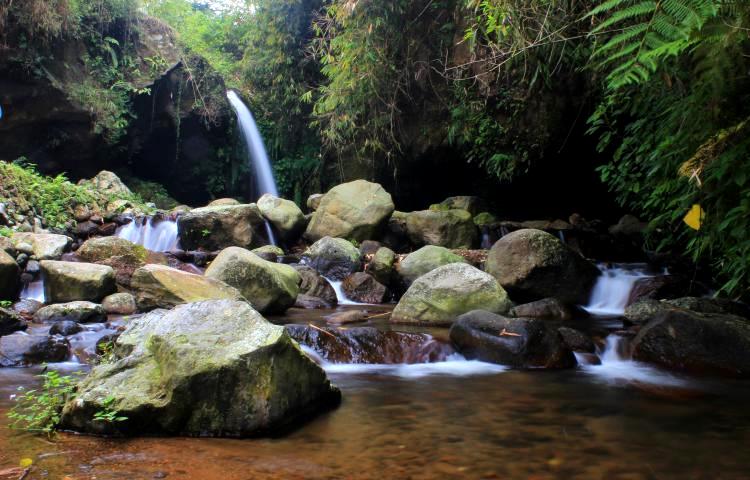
(549, 308)
(216, 228)
(284, 215)
(445, 228)
(440, 296)
(334, 258)
(532, 265)
(704, 343)
(120, 304)
(10, 276)
(356, 210)
(10, 322)
(362, 287)
(515, 342)
(643, 311)
(312, 284)
(214, 368)
(157, 286)
(42, 246)
(21, 349)
(270, 287)
(99, 249)
(108, 184)
(79, 312)
(382, 265)
(71, 281)
(425, 260)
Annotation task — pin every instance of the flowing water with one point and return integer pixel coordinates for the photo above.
(155, 234)
(612, 290)
(33, 291)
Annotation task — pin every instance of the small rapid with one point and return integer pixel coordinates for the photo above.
(341, 297)
(155, 234)
(33, 291)
(612, 290)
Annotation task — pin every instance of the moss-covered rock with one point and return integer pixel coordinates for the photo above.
(364, 288)
(443, 294)
(120, 304)
(532, 265)
(334, 258)
(216, 228)
(9, 276)
(270, 287)
(471, 204)
(214, 368)
(284, 215)
(44, 246)
(445, 228)
(382, 265)
(269, 252)
(356, 210)
(99, 249)
(313, 285)
(10, 322)
(425, 260)
(71, 281)
(79, 312)
(158, 286)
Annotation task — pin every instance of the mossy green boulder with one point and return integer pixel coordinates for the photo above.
(444, 228)
(44, 246)
(9, 276)
(214, 368)
(356, 210)
(382, 265)
(270, 287)
(99, 249)
(218, 227)
(425, 260)
(285, 216)
(159, 286)
(334, 258)
(443, 294)
(71, 281)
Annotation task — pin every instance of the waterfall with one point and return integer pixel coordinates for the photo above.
(341, 297)
(33, 291)
(613, 287)
(157, 235)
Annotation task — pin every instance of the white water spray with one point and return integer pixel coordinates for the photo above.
(613, 287)
(154, 235)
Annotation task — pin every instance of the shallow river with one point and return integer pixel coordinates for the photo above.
(456, 420)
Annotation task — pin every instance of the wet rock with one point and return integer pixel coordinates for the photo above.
(270, 287)
(125, 265)
(86, 229)
(703, 343)
(27, 307)
(18, 350)
(100, 249)
(284, 215)
(369, 247)
(532, 265)
(21, 260)
(308, 302)
(10, 276)
(42, 246)
(269, 253)
(396, 235)
(216, 228)
(10, 322)
(549, 308)
(515, 342)
(223, 202)
(425, 260)
(107, 229)
(664, 287)
(71, 281)
(629, 226)
(314, 285)
(334, 258)
(157, 286)
(712, 305)
(449, 228)
(473, 205)
(65, 328)
(33, 267)
(370, 345)
(356, 210)
(362, 287)
(347, 317)
(214, 368)
(313, 201)
(576, 341)
(440, 296)
(119, 304)
(79, 312)
(382, 265)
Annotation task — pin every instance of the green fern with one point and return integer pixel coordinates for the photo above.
(644, 34)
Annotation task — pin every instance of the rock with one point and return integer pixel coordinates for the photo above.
(347, 317)
(473, 205)
(223, 202)
(485, 219)
(71, 281)
(425, 260)
(549, 308)
(308, 302)
(440, 296)
(10, 322)
(86, 229)
(515, 342)
(44, 246)
(99, 249)
(214, 368)
(33, 267)
(108, 229)
(382, 265)
(334, 258)
(10, 276)
(576, 341)
(19, 350)
(269, 252)
(629, 226)
(363, 288)
(449, 228)
(664, 287)
(313, 201)
(284, 215)
(79, 312)
(6, 245)
(712, 305)
(396, 234)
(119, 304)
(369, 345)
(702, 343)
(157, 286)
(314, 285)
(27, 307)
(65, 328)
(109, 184)
(216, 228)
(270, 287)
(356, 210)
(532, 264)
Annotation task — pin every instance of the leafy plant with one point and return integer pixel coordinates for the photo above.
(108, 414)
(5, 303)
(39, 410)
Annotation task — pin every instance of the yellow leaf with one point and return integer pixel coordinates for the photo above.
(26, 462)
(695, 217)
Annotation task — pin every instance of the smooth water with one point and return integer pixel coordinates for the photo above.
(612, 290)
(157, 235)
(341, 297)
(33, 291)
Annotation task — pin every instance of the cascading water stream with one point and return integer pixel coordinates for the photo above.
(33, 291)
(258, 160)
(612, 290)
(157, 235)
